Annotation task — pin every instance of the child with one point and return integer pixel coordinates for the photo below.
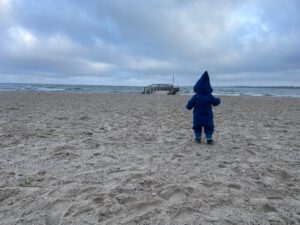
(203, 115)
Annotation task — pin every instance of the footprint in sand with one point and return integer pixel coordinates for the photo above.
(55, 212)
(279, 174)
(7, 193)
(268, 208)
(63, 154)
(99, 199)
(235, 186)
(175, 194)
(124, 198)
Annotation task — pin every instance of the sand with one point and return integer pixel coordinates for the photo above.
(131, 159)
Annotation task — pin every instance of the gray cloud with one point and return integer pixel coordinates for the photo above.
(135, 42)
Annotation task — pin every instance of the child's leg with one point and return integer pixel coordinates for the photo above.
(209, 130)
(197, 132)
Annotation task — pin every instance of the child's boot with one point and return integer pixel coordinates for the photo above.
(198, 140)
(210, 142)
(197, 136)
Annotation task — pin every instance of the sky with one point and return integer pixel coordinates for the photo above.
(134, 42)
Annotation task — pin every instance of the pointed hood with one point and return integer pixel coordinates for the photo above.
(203, 85)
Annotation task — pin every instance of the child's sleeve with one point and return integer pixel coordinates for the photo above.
(191, 103)
(215, 101)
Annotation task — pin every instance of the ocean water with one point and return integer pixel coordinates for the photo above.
(184, 90)
(252, 91)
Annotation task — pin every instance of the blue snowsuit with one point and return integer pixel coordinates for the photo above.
(202, 103)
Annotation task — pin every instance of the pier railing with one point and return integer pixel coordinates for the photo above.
(172, 90)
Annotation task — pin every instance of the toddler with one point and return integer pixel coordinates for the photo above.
(202, 103)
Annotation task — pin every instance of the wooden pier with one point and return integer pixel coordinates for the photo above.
(170, 88)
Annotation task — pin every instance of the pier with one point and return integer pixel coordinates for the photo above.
(170, 88)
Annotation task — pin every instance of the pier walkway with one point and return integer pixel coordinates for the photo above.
(172, 90)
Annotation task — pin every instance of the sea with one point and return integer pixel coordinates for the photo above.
(282, 91)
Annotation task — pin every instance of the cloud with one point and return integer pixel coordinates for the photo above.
(5, 6)
(6, 17)
(21, 38)
(144, 42)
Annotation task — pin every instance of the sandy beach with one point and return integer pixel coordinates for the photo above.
(130, 159)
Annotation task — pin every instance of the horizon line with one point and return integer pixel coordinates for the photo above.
(293, 86)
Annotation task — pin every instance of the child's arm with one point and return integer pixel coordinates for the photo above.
(191, 103)
(215, 101)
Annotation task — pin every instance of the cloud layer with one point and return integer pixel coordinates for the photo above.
(255, 42)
